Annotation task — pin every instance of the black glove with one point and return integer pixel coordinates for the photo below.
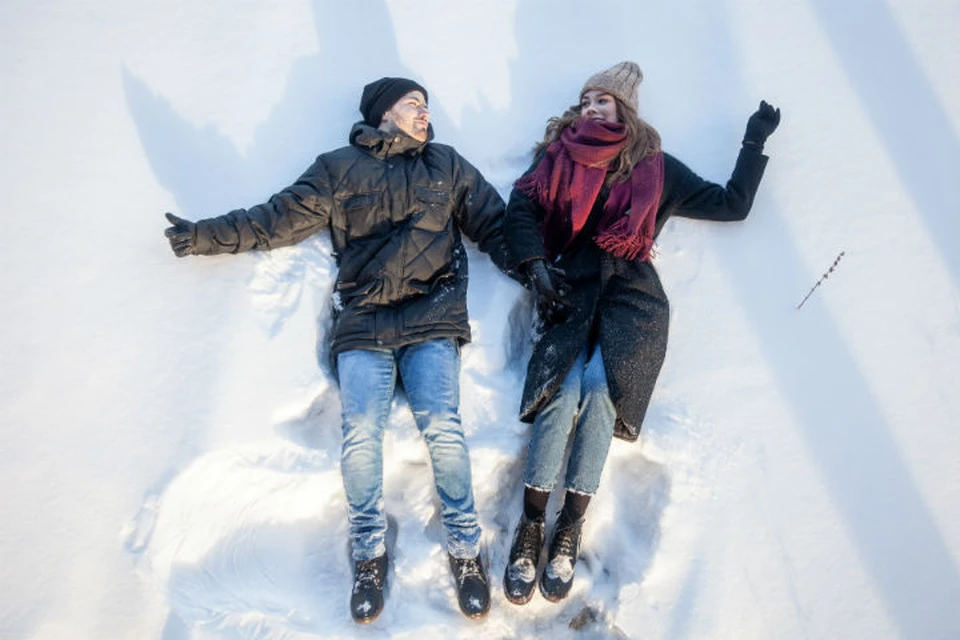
(761, 124)
(551, 290)
(182, 235)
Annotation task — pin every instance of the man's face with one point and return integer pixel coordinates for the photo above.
(409, 114)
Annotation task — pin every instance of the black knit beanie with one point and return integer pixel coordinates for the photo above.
(379, 96)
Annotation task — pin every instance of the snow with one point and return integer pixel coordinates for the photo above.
(171, 433)
(560, 568)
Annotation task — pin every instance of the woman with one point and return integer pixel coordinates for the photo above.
(598, 193)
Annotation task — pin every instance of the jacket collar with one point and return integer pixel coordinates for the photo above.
(382, 144)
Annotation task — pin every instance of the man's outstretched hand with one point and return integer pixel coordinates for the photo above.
(182, 235)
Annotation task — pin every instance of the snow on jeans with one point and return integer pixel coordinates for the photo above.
(430, 372)
(584, 388)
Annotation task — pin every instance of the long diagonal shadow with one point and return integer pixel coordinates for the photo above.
(843, 426)
(850, 440)
(904, 110)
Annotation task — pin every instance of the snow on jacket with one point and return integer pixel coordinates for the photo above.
(619, 302)
(395, 208)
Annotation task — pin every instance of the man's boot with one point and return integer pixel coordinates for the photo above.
(369, 579)
(473, 592)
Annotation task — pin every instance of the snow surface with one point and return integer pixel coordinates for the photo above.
(170, 436)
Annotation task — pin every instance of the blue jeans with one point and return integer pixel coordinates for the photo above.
(582, 405)
(430, 372)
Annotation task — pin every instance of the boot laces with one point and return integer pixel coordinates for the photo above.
(565, 543)
(468, 567)
(368, 572)
(528, 542)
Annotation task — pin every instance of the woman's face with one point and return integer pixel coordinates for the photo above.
(597, 105)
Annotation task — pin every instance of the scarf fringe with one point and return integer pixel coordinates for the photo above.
(628, 248)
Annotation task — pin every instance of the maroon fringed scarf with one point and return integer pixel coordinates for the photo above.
(568, 180)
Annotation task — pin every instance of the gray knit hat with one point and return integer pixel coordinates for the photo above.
(621, 80)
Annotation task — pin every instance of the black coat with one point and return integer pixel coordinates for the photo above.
(395, 209)
(619, 302)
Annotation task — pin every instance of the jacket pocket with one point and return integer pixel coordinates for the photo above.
(432, 196)
(362, 214)
(359, 201)
(432, 208)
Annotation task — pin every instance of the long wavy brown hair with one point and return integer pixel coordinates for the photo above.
(642, 139)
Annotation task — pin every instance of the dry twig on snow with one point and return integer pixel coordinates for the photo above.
(822, 278)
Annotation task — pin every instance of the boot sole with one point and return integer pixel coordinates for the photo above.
(366, 620)
(475, 616)
(552, 597)
(513, 599)
(518, 601)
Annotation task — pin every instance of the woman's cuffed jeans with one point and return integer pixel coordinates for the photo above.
(582, 405)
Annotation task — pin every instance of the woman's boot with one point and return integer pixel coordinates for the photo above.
(557, 577)
(521, 573)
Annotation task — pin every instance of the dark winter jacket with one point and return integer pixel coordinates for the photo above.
(621, 303)
(395, 208)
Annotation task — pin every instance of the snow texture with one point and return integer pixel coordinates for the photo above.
(171, 428)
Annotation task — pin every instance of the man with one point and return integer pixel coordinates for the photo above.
(395, 204)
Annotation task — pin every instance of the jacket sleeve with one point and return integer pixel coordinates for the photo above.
(522, 226)
(288, 217)
(479, 214)
(687, 194)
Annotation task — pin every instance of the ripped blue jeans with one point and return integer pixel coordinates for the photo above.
(430, 372)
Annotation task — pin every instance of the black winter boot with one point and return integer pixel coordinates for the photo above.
(369, 579)
(521, 573)
(473, 592)
(557, 577)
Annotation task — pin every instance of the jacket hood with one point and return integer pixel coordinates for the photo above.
(383, 144)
